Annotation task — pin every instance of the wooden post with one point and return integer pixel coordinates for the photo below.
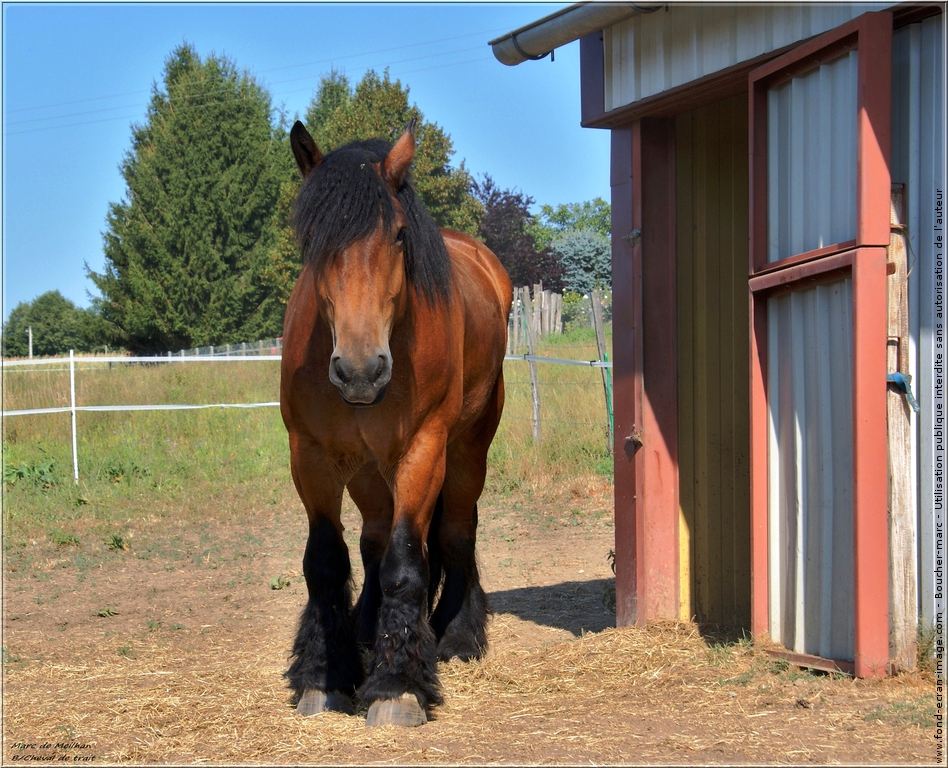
(547, 313)
(514, 319)
(558, 313)
(903, 600)
(537, 313)
(510, 327)
(531, 350)
(595, 302)
(538, 308)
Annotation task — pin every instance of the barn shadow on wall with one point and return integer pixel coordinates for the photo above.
(576, 606)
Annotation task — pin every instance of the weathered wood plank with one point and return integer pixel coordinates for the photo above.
(903, 598)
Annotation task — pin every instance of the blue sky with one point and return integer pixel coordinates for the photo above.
(77, 76)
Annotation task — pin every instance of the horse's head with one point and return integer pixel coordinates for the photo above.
(352, 229)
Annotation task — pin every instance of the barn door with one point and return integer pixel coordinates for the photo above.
(819, 132)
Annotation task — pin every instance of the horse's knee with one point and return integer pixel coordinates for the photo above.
(403, 574)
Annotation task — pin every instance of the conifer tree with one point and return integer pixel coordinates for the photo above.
(187, 249)
(586, 259)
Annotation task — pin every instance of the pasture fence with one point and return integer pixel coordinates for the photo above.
(270, 350)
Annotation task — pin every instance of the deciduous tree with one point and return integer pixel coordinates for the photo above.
(594, 215)
(58, 325)
(507, 230)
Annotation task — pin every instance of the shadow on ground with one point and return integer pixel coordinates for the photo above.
(576, 606)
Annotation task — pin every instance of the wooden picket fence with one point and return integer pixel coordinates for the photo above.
(533, 319)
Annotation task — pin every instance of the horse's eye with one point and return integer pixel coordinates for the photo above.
(400, 236)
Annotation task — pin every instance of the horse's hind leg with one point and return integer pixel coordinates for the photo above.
(372, 496)
(326, 669)
(460, 619)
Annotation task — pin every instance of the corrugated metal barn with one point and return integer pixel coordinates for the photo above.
(777, 171)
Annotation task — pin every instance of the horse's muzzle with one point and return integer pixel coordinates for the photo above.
(363, 382)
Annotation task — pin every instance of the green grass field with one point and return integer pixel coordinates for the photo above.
(163, 462)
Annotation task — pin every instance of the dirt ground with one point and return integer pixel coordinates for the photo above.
(172, 651)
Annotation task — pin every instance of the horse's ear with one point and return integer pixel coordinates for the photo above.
(305, 151)
(398, 161)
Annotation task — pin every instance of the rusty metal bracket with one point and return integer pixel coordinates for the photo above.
(635, 438)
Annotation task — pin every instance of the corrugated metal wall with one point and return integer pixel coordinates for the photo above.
(811, 195)
(713, 359)
(811, 163)
(811, 469)
(918, 160)
(651, 53)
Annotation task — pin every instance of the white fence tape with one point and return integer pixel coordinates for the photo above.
(72, 409)
(107, 408)
(144, 359)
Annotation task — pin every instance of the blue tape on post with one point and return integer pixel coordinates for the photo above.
(904, 382)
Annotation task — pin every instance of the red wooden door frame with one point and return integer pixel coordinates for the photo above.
(865, 260)
(645, 371)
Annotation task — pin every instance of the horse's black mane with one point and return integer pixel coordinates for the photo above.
(344, 199)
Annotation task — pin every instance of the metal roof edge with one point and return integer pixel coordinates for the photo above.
(536, 40)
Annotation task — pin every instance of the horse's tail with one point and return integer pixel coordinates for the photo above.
(435, 555)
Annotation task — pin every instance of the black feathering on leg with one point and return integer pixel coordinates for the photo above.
(325, 656)
(460, 621)
(405, 644)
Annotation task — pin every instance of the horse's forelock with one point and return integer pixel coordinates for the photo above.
(344, 200)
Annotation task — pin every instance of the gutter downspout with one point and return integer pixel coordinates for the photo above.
(538, 39)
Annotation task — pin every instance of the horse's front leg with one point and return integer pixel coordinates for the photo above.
(326, 668)
(403, 682)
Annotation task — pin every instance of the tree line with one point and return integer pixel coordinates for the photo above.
(200, 250)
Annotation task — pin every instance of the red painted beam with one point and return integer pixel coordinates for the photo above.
(625, 326)
(645, 368)
(870, 464)
(874, 130)
(759, 502)
(659, 550)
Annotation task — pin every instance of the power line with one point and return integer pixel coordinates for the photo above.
(277, 69)
(222, 101)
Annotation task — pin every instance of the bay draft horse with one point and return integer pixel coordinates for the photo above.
(391, 387)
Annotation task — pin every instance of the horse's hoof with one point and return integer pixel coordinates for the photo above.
(404, 712)
(313, 702)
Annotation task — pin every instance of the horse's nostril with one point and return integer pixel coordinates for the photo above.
(381, 368)
(342, 371)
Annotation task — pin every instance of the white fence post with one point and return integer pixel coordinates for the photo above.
(72, 406)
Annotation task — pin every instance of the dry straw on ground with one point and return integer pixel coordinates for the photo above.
(654, 694)
(172, 652)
